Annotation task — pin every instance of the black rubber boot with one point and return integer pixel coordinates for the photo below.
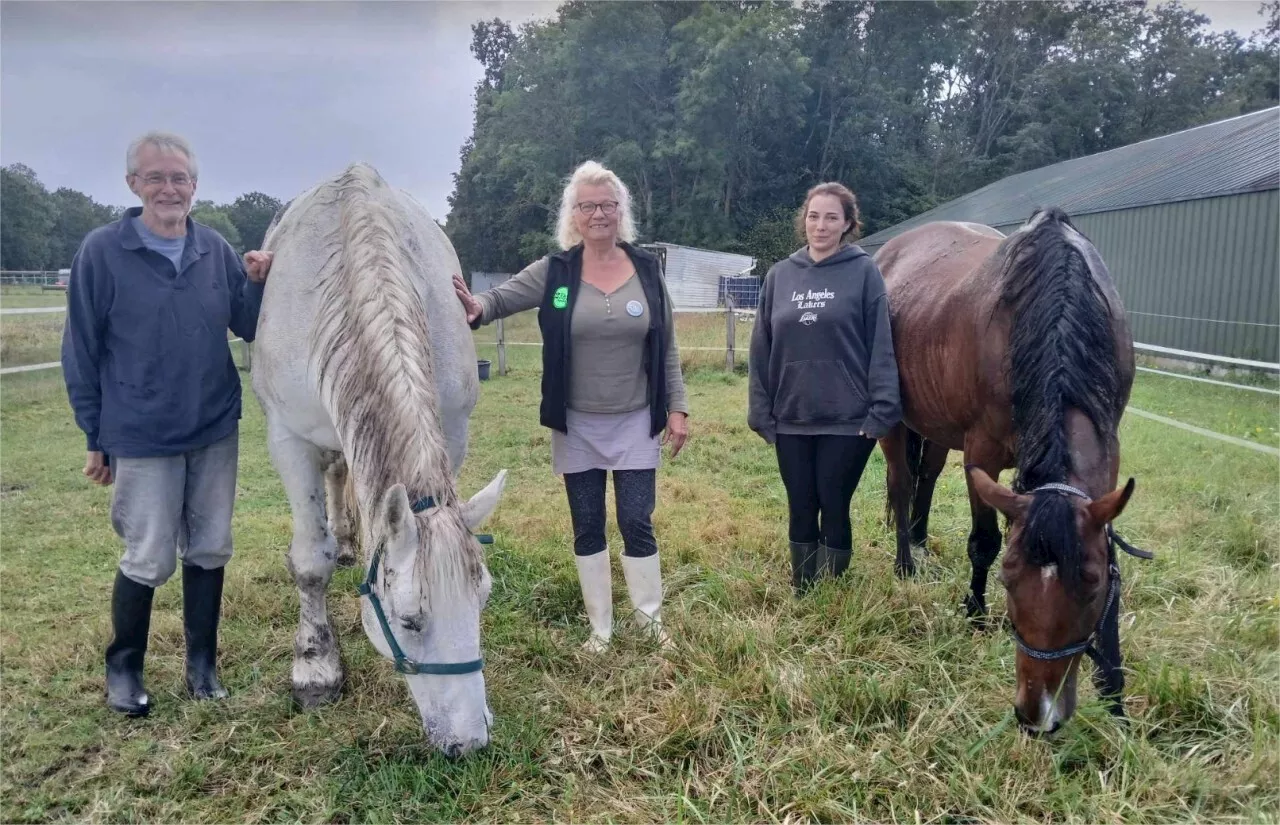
(131, 621)
(834, 561)
(804, 565)
(201, 604)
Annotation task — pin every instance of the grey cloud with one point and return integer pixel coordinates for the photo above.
(274, 96)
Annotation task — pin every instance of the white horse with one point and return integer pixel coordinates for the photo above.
(366, 371)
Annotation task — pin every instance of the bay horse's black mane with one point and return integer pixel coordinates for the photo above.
(1061, 355)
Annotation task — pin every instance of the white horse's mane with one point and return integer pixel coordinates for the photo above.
(372, 353)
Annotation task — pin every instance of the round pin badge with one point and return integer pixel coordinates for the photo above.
(634, 308)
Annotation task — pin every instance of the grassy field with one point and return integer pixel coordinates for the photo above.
(14, 297)
(870, 699)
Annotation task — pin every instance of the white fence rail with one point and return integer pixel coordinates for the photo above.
(729, 351)
(32, 310)
(246, 348)
(1169, 352)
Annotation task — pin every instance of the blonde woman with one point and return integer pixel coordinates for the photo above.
(612, 390)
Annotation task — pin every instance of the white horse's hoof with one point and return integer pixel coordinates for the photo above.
(315, 695)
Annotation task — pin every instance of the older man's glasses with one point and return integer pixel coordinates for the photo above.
(588, 208)
(158, 179)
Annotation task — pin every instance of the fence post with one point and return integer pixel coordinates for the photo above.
(730, 328)
(502, 349)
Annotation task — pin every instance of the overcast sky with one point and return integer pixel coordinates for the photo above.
(274, 96)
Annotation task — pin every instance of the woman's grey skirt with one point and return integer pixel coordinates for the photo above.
(605, 441)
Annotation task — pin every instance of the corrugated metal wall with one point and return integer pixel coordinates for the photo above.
(693, 275)
(1199, 275)
(480, 281)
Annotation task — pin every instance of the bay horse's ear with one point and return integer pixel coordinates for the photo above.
(1106, 509)
(1011, 504)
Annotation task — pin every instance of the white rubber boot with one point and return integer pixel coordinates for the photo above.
(644, 584)
(597, 596)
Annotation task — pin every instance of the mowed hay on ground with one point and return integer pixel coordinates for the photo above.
(870, 699)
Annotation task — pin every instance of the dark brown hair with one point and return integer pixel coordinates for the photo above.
(848, 201)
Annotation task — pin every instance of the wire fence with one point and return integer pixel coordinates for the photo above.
(731, 360)
(19, 277)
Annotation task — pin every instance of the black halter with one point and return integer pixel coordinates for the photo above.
(1088, 646)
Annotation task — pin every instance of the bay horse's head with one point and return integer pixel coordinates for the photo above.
(424, 591)
(1060, 584)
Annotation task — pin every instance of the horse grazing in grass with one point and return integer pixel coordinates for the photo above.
(365, 368)
(1017, 351)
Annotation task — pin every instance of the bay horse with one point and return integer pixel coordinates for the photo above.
(1017, 351)
(366, 372)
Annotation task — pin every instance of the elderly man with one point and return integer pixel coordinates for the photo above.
(150, 378)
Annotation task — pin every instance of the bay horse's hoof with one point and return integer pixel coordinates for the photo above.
(904, 571)
(975, 611)
(313, 696)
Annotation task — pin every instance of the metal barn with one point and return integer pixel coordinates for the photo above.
(480, 281)
(1188, 224)
(693, 275)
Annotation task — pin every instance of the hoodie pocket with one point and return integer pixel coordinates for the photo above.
(818, 392)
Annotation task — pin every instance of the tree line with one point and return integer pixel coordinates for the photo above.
(41, 230)
(720, 115)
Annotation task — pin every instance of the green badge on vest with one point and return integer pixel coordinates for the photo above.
(561, 298)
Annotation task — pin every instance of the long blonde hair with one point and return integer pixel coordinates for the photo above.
(592, 173)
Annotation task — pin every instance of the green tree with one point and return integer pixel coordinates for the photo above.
(251, 214)
(26, 221)
(77, 216)
(216, 217)
(720, 115)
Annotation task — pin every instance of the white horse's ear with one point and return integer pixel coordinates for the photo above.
(397, 517)
(483, 503)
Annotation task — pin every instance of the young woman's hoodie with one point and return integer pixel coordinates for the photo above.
(822, 358)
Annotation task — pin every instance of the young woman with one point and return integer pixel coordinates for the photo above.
(823, 380)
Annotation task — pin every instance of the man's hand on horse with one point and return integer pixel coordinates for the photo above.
(257, 264)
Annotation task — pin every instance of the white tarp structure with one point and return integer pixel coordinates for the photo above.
(693, 275)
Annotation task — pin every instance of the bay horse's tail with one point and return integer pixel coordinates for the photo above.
(1062, 355)
(915, 457)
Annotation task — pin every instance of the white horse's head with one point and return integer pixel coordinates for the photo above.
(431, 582)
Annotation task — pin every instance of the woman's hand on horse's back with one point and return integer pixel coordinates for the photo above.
(469, 303)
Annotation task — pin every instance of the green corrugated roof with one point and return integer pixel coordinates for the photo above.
(1240, 154)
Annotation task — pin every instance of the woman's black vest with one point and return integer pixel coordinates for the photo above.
(564, 277)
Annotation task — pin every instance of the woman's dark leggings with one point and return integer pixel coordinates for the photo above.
(634, 494)
(820, 473)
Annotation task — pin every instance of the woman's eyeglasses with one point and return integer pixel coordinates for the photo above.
(588, 208)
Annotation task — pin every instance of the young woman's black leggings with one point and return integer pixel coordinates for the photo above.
(634, 494)
(820, 473)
